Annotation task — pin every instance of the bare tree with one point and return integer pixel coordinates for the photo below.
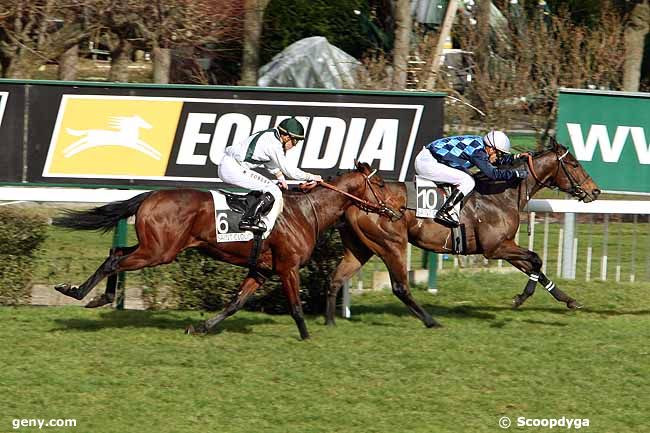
(33, 32)
(636, 31)
(161, 26)
(68, 64)
(403, 28)
(253, 21)
(516, 78)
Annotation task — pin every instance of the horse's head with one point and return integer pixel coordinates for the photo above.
(564, 171)
(367, 190)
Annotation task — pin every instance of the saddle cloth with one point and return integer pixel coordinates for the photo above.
(226, 220)
(425, 197)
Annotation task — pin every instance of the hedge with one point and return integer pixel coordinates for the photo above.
(21, 233)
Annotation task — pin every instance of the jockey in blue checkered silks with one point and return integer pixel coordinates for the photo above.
(448, 160)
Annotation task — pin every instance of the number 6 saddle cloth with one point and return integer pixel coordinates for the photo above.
(228, 209)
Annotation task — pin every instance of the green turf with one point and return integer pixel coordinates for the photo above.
(382, 371)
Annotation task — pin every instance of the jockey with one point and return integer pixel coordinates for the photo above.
(448, 159)
(265, 149)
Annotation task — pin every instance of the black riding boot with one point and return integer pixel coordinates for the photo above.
(442, 216)
(252, 218)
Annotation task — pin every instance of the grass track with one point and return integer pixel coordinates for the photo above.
(382, 371)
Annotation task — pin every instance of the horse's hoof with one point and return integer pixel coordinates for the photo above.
(573, 305)
(63, 288)
(430, 322)
(99, 301)
(189, 330)
(516, 302)
(68, 290)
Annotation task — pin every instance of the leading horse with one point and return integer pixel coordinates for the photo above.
(170, 221)
(491, 220)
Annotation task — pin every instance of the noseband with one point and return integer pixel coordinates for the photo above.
(575, 188)
(380, 208)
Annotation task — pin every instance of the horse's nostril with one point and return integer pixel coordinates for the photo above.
(596, 192)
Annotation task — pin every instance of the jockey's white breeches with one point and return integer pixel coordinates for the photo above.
(232, 172)
(428, 167)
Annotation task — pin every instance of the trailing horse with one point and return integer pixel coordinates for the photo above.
(491, 220)
(170, 221)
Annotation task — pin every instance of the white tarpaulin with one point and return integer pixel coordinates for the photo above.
(310, 62)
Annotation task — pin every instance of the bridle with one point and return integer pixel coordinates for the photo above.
(380, 208)
(575, 188)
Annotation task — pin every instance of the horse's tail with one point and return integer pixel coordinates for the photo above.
(100, 218)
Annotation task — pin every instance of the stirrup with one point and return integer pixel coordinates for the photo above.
(252, 226)
(446, 220)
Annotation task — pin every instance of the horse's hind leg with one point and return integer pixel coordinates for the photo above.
(136, 258)
(246, 289)
(105, 269)
(109, 294)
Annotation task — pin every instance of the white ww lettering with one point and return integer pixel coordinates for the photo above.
(610, 150)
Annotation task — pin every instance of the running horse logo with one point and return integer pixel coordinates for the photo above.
(126, 134)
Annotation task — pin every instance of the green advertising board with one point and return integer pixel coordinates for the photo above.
(607, 132)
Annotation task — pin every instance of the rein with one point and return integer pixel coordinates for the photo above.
(313, 208)
(576, 187)
(379, 208)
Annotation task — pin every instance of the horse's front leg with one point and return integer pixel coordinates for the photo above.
(558, 294)
(355, 255)
(529, 263)
(250, 284)
(395, 261)
(291, 286)
(537, 276)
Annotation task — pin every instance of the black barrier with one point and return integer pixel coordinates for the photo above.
(12, 145)
(153, 135)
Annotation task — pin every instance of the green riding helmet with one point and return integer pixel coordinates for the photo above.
(292, 127)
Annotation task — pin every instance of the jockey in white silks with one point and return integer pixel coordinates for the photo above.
(265, 149)
(448, 160)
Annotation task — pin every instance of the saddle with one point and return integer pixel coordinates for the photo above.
(240, 203)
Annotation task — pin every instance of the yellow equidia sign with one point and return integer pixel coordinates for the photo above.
(112, 136)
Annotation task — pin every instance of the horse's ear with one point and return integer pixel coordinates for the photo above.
(362, 166)
(554, 142)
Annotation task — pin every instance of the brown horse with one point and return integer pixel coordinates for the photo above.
(170, 221)
(491, 220)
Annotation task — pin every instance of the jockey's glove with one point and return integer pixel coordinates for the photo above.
(521, 173)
